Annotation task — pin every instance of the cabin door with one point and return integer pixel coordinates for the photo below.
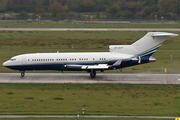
(23, 60)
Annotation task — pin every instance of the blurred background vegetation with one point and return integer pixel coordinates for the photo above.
(90, 9)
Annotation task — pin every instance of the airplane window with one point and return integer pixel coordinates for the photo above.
(12, 59)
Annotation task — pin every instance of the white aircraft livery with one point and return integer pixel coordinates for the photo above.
(119, 56)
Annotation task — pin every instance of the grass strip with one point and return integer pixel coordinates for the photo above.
(81, 119)
(70, 25)
(96, 99)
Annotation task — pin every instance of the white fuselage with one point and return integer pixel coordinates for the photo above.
(41, 61)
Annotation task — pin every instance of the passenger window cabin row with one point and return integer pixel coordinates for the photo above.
(71, 59)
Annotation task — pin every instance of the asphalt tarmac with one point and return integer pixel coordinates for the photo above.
(85, 78)
(89, 29)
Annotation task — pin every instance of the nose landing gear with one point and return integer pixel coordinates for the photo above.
(22, 73)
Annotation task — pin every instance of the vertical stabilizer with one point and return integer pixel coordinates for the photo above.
(148, 44)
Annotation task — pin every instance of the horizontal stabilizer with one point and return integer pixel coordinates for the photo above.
(163, 34)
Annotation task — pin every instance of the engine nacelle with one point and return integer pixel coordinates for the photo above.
(140, 59)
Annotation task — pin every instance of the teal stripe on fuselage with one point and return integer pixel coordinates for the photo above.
(146, 53)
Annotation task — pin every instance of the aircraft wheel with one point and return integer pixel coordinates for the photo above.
(93, 74)
(22, 74)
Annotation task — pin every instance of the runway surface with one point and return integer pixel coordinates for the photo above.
(89, 29)
(85, 78)
(88, 116)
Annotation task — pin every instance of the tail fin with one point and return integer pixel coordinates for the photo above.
(146, 46)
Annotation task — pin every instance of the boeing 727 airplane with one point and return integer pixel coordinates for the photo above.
(119, 56)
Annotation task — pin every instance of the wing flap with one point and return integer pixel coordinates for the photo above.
(99, 66)
(117, 63)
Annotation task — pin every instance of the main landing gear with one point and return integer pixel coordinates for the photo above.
(93, 73)
(22, 73)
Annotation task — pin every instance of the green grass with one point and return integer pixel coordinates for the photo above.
(17, 42)
(81, 119)
(105, 99)
(70, 25)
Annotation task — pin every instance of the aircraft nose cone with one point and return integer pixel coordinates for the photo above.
(5, 63)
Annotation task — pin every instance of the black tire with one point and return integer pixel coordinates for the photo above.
(93, 74)
(22, 74)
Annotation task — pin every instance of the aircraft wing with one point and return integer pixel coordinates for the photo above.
(99, 66)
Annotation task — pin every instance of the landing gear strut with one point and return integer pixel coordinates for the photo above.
(22, 73)
(93, 73)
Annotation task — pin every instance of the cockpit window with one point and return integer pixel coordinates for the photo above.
(13, 59)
